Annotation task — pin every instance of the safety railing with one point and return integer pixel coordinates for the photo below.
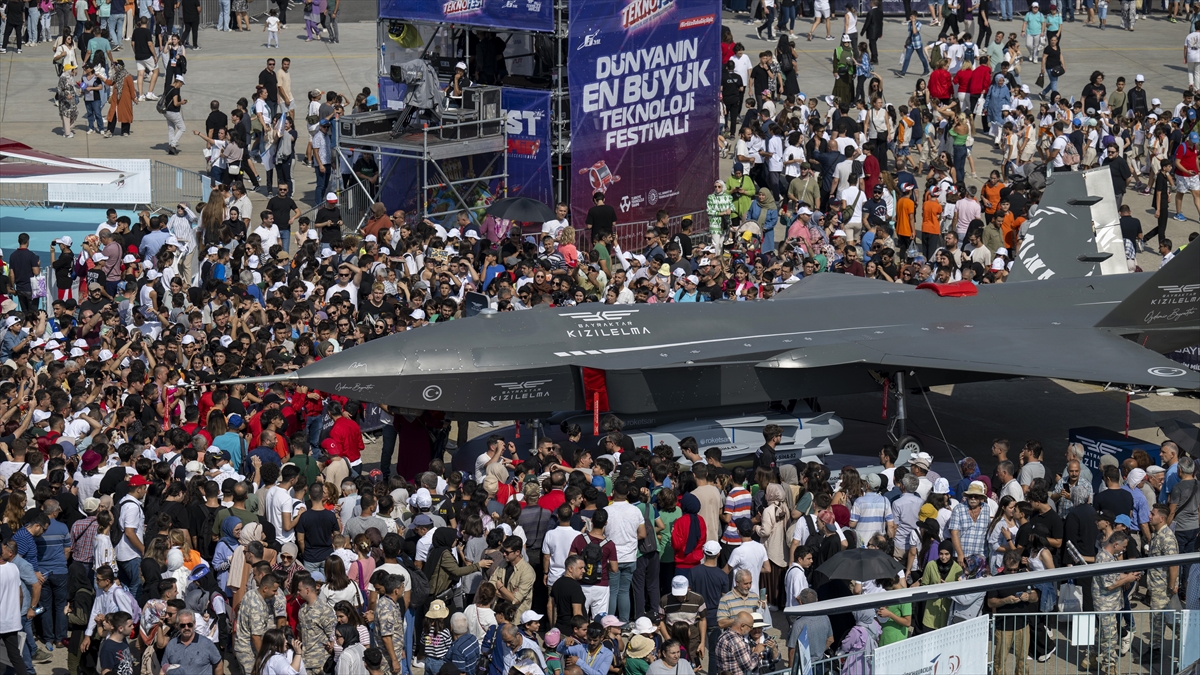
(23, 194)
(170, 185)
(1123, 643)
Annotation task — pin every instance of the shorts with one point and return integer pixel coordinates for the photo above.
(149, 65)
(901, 150)
(1186, 184)
(821, 10)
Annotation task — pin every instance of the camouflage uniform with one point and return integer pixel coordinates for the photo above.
(1107, 604)
(316, 625)
(1162, 543)
(389, 621)
(253, 618)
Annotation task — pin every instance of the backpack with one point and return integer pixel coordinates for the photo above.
(1070, 155)
(164, 101)
(786, 64)
(593, 560)
(419, 597)
(116, 532)
(486, 645)
(969, 53)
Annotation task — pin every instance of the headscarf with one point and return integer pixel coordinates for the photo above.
(776, 494)
(787, 474)
(227, 527)
(691, 506)
(77, 578)
(174, 560)
(765, 205)
(118, 79)
(443, 540)
(251, 532)
(288, 570)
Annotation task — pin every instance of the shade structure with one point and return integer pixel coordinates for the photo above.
(35, 166)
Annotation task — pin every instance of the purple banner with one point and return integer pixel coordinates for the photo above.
(529, 165)
(645, 82)
(519, 14)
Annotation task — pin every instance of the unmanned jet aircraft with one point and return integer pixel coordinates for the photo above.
(828, 334)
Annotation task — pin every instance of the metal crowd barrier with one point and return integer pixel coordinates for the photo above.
(1077, 643)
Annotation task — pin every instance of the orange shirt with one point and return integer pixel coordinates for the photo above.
(905, 210)
(1008, 229)
(931, 216)
(992, 195)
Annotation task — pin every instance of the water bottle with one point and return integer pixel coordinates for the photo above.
(1075, 555)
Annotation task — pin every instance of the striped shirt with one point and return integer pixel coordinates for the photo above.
(733, 602)
(870, 515)
(737, 506)
(26, 547)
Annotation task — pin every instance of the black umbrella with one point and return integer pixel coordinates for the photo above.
(860, 564)
(521, 209)
(1186, 436)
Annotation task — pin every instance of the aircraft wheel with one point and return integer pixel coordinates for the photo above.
(909, 443)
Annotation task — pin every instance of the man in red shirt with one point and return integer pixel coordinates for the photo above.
(1187, 174)
(346, 431)
(962, 81)
(981, 79)
(555, 498)
(271, 401)
(941, 85)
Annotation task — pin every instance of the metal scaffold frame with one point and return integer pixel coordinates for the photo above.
(432, 151)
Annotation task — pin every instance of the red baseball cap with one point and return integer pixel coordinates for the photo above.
(138, 481)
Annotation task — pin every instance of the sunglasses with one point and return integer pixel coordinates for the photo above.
(185, 625)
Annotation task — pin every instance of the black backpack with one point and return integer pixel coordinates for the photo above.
(419, 597)
(593, 560)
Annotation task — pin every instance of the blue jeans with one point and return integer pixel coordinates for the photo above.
(769, 18)
(130, 573)
(30, 645)
(1006, 10)
(960, 163)
(1052, 84)
(618, 590)
(116, 27)
(322, 184)
(787, 18)
(223, 15)
(406, 662)
(908, 52)
(95, 115)
(31, 24)
(54, 600)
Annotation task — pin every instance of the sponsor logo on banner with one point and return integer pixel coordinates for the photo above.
(520, 391)
(641, 12)
(589, 40)
(961, 651)
(1178, 295)
(462, 7)
(695, 21)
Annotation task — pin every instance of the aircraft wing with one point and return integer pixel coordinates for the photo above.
(1088, 354)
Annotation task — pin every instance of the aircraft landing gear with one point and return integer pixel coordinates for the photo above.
(897, 429)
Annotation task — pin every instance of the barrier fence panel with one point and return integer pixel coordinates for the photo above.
(1123, 643)
(170, 185)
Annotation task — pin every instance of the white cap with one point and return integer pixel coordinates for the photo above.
(213, 250)
(471, 234)
(105, 354)
(152, 275)
(11, 321)
(99, 257)
(194, 467)
(839, 233)
(679, 586)
(453, 233)
(77, 352)
(383, 250)
(1034, 5)
(129, 259)
(179, 78)
(371, 237)
(941, 487)
(693, 278)
(325, 253)
(172, 241)
(704, 262)
(253, 262)
(51, 345)
(65, 241)
(712, 548)
(418, 314)
(997, 264)
(1024, 89)
(530, 615)
(148, 264)
(57, 355)
(628, 255)
(37, 343)
(226, 340)
(312, 234)
(188, 340)
(1139, 78)
(331, 197)
(80, 343)
(460, 66)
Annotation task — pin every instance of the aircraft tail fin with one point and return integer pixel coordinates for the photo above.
(1163, 313)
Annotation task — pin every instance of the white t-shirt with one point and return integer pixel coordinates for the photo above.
(553, 227)
(272, 24)
(261, 108)
(424, 544)
(276, 502)
(338, 288)
(956, 53)
(479, 619)
(794, 582)
(130, 516)
(1192, 44)
(7, 469)
(750, 555)
(279, 664)
(742, 65)
(557, 545)
(623, 521)
(775, 147)
(792, 152)
(482, 460)
(850, 195)
(393, 568)
(269, 235)
(1059, 144)
(10, 598)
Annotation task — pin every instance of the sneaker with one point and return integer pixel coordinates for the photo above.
(70, 135)
(1045, 657)
(41, 656)
(141, 99)
(1180, 217)
(91, 131)
(416, 663)
(3, 51)
(829, 37)
(50, 645)
(1126, 642)
(151, 96)
(18, 50)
